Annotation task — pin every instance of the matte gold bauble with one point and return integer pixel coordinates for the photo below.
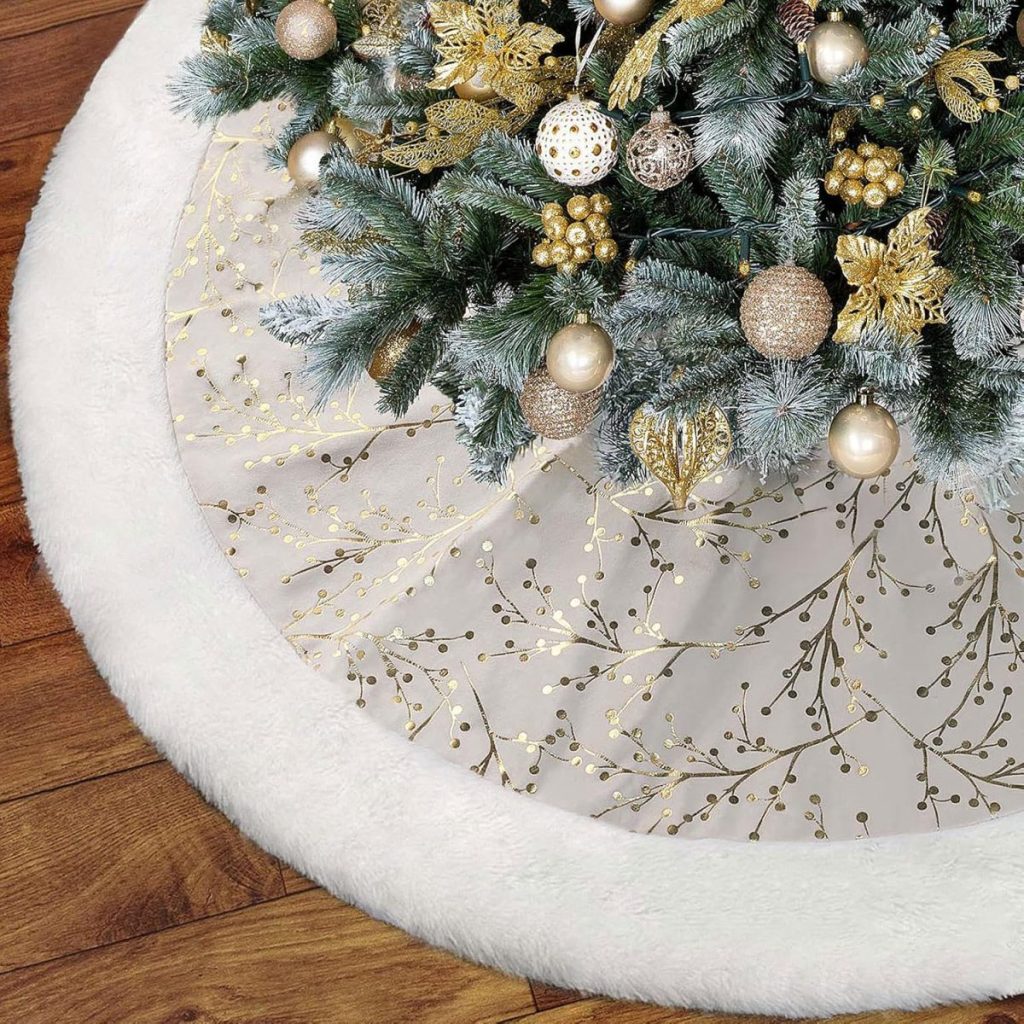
(306, 29)
(475, 89)
(388, 353)
(347, 132)
(864, 439)
(553, 412)
(835, 48)
(785, 312)
(580, 356)
(306, 154)
(1020, 28)
(623, 12)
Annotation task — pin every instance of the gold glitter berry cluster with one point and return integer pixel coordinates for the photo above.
(867, 174)
(576, 234)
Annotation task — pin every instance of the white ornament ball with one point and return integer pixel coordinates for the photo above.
(580, 357)
(306, 154)
(577, 142)
(864, 439)
(306, 29)
(834, 49)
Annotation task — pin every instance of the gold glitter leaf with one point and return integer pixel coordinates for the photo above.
(629, 79)
(963, 65)
(681, 455)
(897, 283)
(382, 29)
(842, 121)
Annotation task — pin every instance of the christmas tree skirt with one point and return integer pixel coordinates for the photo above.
(760, 753)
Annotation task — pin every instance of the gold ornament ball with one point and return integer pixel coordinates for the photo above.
(852, 191)
(600, 203)
(864, 439)
(875, 169)
(556, 228)
(842, 160)
(551, 210)
(1020, 28)
(855, 166)
(306, 154)
(875, 195)
(623, 12)
(893, 183)
(306, 29)
(834, 49)
(580, 356)
(578, 207)
(388, 353)
(834, 182)
(577, 234)
(561, 252)
(867, 150)
(877, 101)
(598, 226)
(606, 250)
(582, 253)
(553, 412)
(475, 89)
(916, 113)
(891, 157)
(1011, 83)
(542, 255)
(991, 104)
(786, 312)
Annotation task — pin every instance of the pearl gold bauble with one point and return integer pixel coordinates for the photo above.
(864, 439)
(306, 29)
(577, 142)
(553, 412)
(834, 49)
(580, 356)
(660, 154)
(475, 89)
(306, 154)
(623, 12)
(786, 312)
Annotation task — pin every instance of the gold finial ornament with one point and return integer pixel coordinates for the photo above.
(682, 454)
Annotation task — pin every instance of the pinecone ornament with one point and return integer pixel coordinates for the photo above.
(797, 19)
(937, 221)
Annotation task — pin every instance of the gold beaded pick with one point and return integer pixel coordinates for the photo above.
(681, 455)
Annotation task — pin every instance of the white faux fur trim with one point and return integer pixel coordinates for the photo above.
(782, 928)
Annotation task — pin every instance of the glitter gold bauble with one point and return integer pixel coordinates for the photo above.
(306, 29)
(605, 250)
(852, 191)
(864, 439)
(598, 226)
(623, 12)
(553, 412)
(580, 356)
(785, 312)
(475, 88)
(577, 234)
(660, 154)
(577, 142)
(578, 207)
(306, 154)
(833, 179)
(388, 353)
(835, 48)
(600, 203)
(542, 254)
(875, 195)
(682, 454)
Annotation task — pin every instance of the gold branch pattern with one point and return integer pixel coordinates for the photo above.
(799, 660)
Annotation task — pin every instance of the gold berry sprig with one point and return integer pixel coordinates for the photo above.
(868, 174)
(576, 233)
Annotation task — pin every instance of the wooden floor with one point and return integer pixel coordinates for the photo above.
(124, 898)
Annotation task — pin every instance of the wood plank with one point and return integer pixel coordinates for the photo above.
(603, 1011)
(42, 85)
(547, 997)
(20, 17)
(29, 605)
(293, 881)
(298, 960)
(61, 723)
(120, 857)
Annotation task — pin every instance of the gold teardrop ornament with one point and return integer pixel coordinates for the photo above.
(682, 454)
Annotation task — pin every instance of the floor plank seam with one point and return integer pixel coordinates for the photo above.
(7, 801)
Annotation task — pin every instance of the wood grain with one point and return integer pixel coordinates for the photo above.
(43, 83)
(547, 997)
(29, 606)
(125, 855)
(301, 960)
(60, 722)
(20, 17)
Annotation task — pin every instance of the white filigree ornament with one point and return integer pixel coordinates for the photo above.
(577, 142)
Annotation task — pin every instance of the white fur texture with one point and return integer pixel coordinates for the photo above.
(802, 929)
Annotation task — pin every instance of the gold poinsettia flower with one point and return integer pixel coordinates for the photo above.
(962, 65)
(897, 281)
(487, 38)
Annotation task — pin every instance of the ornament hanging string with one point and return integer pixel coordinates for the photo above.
(582, 63)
